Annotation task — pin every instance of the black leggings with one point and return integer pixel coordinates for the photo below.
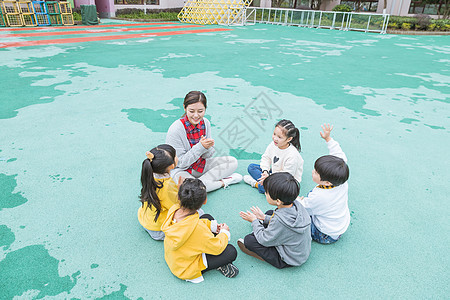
(269, 254)
(227, 256)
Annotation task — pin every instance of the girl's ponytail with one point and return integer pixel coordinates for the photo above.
(291, 131)
(296, 139)
(149, 186)
(160, 158)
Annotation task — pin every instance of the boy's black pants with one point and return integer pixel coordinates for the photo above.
(227, 256)
(269, 254)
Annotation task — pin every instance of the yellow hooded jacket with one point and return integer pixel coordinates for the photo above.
(168, 195)
(186, 241)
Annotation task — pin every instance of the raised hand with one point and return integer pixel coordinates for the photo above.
(257, 212)
(247, 216)
(326, 132)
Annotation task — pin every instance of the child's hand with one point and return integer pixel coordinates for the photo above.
(258, 212)
(206, 143)
(219, 226)
(326, 132)
(247, 216)
(224, 226)
(264, 175)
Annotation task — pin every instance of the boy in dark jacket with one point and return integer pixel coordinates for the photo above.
(281, 237)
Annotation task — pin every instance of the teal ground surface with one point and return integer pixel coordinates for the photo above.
(76, 119)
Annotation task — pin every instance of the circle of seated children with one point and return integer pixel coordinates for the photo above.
(176, 177)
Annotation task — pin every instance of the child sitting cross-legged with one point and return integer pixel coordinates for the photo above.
(327, 203)
(281, 237)
(193, 244)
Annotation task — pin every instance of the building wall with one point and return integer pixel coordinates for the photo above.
(329, 5)
(266, 3)
(395, 7)
(84, 2)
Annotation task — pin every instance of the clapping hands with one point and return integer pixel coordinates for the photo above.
(256, 213)
(222, 226)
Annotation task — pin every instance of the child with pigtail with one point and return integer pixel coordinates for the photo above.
(159, 192)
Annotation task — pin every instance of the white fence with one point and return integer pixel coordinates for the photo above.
(366, 22)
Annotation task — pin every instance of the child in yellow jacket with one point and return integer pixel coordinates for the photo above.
(194, 245)
(159, 192)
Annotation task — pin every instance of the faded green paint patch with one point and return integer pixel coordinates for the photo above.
(408, 120)
(32, 268)
(6, 237)
(435, 127)
(8, 199)
(118, 295)
(24, 92)
(242, 154)
(11, 160)
(59, 178)
(157, 120)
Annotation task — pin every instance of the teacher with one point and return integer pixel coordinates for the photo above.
(191, 138)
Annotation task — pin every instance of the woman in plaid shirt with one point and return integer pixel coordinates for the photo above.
(191, 138)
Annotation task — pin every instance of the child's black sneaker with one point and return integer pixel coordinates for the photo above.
(229, 270)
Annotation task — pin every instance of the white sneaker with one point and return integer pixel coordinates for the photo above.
(234, 178)
(249, 180)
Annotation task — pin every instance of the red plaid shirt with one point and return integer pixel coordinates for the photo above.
(194, 134)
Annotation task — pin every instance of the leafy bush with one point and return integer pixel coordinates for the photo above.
(76, 16)
(135, 13)
(392, 25)
(406, 26)
(342, 7)
(441, 24)
(419, 22)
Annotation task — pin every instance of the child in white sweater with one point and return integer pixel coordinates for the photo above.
(327, 203)
(282, 155)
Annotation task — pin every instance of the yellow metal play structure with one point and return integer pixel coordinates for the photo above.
(224, 12)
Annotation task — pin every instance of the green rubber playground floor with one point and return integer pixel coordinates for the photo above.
(76, 120)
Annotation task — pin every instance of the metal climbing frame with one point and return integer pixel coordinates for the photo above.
(54, 12)
(12, 13)
(40, 11)
(366, 22)
(27, 13)
(66, 13)
(213, 11)
(2, 17)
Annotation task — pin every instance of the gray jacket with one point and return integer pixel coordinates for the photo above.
(289, 231)
(177, 138)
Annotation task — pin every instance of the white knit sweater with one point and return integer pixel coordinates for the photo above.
(283, 160)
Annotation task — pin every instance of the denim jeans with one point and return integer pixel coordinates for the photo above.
(320, 237)
(255, 171)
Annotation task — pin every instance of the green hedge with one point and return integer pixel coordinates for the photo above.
(155, 14)
(342, 7)
(419, 23)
